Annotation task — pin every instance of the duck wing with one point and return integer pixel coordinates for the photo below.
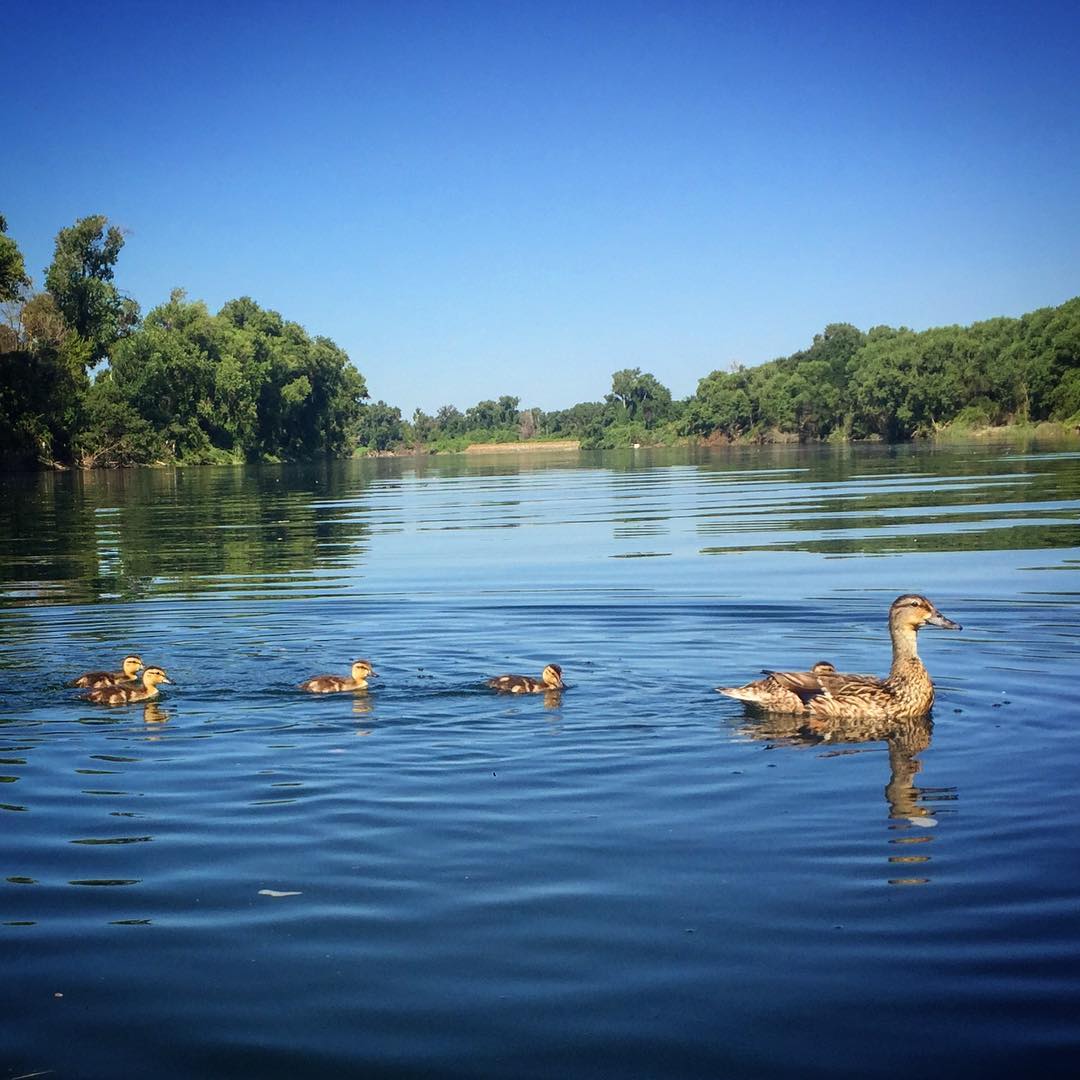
(805, 684)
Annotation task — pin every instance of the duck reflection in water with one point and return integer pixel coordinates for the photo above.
(552, 699)
(153, 713)
(904, 740)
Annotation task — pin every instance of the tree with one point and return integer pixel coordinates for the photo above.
(244, 384)
(80, 279)
(449, 420)
(380, 426)
(423, 426)
(13, 277)
(641, 395)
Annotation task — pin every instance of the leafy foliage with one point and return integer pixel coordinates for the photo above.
(241, 385)
(185, 385)
(80, 281)
(894, 384)
(246, 384)
(13, 277)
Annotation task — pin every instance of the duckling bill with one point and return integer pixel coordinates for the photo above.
(129, 670)
(907, 692)
(336, 684)
(550, 679)
(122, 695)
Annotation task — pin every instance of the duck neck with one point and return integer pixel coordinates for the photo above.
(904, 647)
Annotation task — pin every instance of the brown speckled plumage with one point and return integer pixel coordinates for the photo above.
(125, 677)
(824, 692)
(123, 695)
(550, 679)
(337, 684)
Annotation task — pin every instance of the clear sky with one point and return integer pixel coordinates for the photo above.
(476, 199)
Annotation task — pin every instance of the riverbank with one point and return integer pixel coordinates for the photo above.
(531, 446)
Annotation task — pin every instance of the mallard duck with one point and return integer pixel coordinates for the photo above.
(550, 679)
(130, 669)
(335, 684)
(905, 692)
(121, 695)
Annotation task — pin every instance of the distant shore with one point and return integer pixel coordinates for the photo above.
(531, 446)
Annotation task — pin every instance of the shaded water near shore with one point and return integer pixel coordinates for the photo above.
(633, 878)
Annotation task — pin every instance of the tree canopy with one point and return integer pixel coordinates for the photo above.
(84, 381)
(181, 385)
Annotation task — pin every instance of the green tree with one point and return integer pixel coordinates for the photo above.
(13, 277)
(380, 426)
(641, 395)
(244, 384)
(80, 279)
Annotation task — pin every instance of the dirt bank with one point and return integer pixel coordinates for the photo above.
(532, 447)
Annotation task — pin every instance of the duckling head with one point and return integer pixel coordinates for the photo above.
(362, 670)
(154, 675)
(552, 676)
(131, 666)
(913, 612)
(823, 667)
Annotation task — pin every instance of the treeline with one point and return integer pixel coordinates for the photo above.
(884, 384)
(637, 410)
(896, 384)
(85, 380)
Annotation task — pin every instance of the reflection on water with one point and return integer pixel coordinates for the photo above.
(628, 878)
(308, 530)
(904, 741)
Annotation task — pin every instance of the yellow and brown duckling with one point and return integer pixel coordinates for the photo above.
(129, 671)
(336, 684)
(550, 679)
(122, 695)
(905, 692)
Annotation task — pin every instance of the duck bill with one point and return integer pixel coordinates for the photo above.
(939, 620)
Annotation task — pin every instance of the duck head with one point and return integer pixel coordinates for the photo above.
(552, 676)
(913, 612)
(154, 675)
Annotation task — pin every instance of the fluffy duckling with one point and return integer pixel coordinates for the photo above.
(122, 695)
(906, 692)
(550, 679)
(130, 669)
(335, 684)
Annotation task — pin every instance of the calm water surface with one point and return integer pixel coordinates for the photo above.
(636, 878)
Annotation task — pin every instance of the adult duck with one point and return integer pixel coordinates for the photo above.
(905, 692)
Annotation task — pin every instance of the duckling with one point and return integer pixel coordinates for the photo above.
(906, 692)
(334, 684)
(122, 695)
(91, 679)
(550, 679)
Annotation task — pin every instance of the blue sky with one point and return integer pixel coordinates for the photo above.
(477, 199)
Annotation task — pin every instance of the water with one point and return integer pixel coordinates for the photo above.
(635, 879)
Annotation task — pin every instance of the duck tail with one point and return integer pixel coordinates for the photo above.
(741, 693)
